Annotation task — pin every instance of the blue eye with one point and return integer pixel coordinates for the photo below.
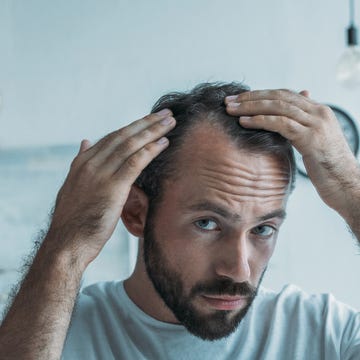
(264, 230)
(206, 224)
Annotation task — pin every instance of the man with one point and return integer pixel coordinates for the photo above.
(207, 209)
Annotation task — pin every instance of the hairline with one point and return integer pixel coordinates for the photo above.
(172, 172)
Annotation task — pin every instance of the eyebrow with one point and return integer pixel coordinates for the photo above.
(210, 206)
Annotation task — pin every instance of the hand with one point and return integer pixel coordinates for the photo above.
(90, 202)
(313, 130)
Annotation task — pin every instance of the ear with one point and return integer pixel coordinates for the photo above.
(135, 211)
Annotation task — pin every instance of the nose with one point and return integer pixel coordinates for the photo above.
(233, 260)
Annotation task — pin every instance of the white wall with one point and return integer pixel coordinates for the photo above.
(76, 69)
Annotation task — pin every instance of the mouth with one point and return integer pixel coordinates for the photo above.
(226, 302)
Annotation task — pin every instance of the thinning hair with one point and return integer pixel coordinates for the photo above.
(205, 104)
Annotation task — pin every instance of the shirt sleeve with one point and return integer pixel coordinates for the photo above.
(343, 328)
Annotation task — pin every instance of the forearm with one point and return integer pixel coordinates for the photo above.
(37, 322)
(354, 222)
(87, 210)
(351, 213)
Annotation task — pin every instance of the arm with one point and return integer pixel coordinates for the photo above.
(315, 132)
(37, 322)
(87, 210)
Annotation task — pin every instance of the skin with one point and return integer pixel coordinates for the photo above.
(85, 217)
(216, 178)
(315, 132)
(35, 327)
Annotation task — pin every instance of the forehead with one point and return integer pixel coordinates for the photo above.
(211, 167)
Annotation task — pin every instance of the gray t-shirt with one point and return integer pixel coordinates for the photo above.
(288, 325)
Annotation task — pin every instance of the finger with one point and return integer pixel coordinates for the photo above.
(84, 145)
(131, 129)
(81, 148)
(282, 125)
(136, 163)
(306, 96)
(133, 144)
(269, 107)
(271, 94)
(276, 95)
(110, 141)
(305, 93)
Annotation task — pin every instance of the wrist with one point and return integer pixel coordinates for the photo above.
(59, 253)
(351, 210)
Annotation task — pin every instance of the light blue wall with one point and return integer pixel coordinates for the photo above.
(76, 69)
(73, 69)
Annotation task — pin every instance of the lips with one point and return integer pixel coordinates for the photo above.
(225, 302)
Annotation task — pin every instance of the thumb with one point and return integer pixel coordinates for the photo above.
(85, 144)
(305, 93)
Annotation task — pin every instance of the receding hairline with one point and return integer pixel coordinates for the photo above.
(176, 169)
(205, 103)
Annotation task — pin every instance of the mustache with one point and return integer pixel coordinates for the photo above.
(224, 287)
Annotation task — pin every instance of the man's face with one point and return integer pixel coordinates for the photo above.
(207, 244)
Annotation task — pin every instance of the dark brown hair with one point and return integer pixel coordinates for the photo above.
(205, 103)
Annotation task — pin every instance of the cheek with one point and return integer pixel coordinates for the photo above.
(263, 250)
(190, 256)
(186, 253)
(260, 255)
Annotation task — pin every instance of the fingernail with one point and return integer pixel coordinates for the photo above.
(164, 112)
(162, 141)
(231, 97)
(245, 118)
(233, 105)
(167, 121)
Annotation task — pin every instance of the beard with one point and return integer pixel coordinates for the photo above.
(170, 287)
